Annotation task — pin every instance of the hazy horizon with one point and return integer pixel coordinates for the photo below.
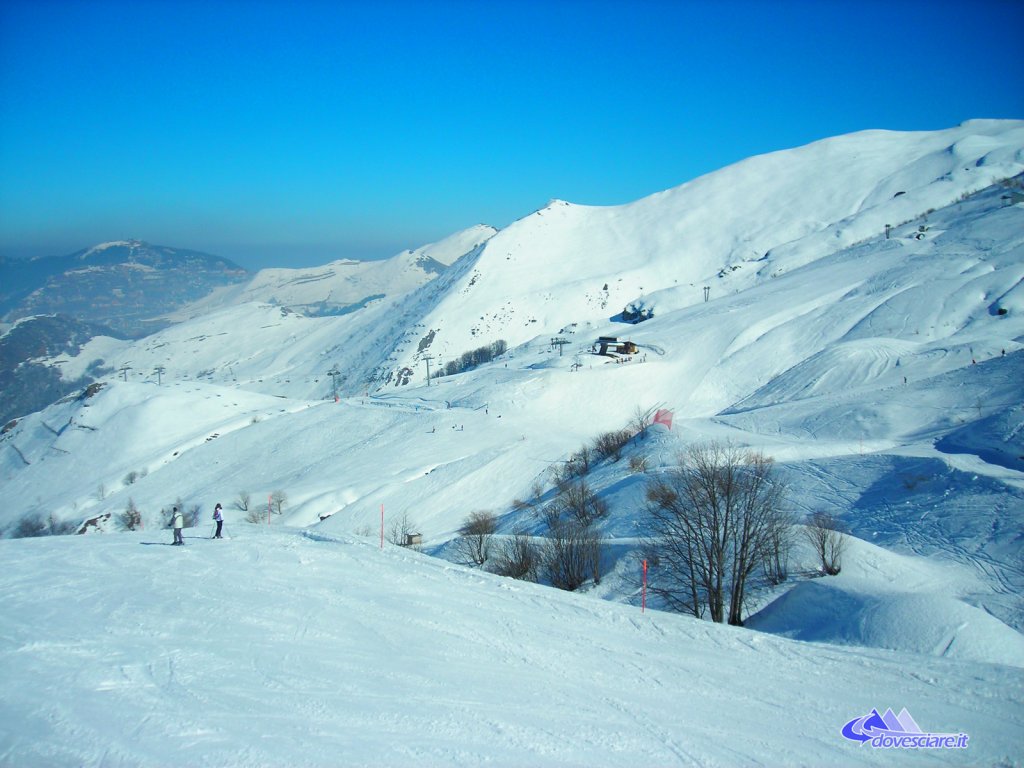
(280, 135)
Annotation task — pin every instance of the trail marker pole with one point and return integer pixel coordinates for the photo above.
(643, 592)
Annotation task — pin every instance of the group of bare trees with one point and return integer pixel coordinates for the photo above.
(258, 514)
(567, 555)
(715, 519)
(719, 518)
(473, 358)
(131, 519)
(37, 523)
(719, 524)
(516, 555)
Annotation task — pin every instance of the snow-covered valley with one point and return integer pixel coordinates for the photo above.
(854, 309)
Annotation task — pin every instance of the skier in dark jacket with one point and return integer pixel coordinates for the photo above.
(220, 520)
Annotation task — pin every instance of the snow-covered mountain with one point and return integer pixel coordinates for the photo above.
(346, 285)
(730, 230)
(852, 308)
(124, 284)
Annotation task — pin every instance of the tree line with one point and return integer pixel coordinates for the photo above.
(473, 358)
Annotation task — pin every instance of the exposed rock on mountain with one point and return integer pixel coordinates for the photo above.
(29, 380)
(128, 285)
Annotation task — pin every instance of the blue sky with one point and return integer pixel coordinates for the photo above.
(290, 134)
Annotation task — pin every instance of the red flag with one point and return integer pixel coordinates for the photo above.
(663, 416)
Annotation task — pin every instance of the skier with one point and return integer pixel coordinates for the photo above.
(178, 522)
(220, 520)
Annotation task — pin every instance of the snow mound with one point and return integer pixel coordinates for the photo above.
(823, 611)
(885, 600)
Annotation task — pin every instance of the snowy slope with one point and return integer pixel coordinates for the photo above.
(277, 648)
(887, 600)
(729, 230)
(881, 370)
(346, 284)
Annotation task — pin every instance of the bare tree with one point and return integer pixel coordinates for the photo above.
(714, 521)
(610, 444)
(642, 419)
(780, 541)
(572, 554)
(582, 460)
(256, 515)
(573, 548)
(577, 501)
(39, 524)
(242, 502)
(675, 547)
(474, 540)
(400, 530)
(131, 518)
(277, 500)
(828, 537)
(758, 514)
(518, 557)
(577, 465)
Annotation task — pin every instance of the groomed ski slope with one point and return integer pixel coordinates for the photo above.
(281, 647)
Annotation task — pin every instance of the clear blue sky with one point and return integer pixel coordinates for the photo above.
(293, 133)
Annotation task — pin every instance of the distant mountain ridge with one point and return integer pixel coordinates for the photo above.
(28, 379)
(122, 289)
(130, 289)
(346, 285)
(127, 285)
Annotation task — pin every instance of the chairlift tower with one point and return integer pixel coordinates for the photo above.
(427, 359)
(334, 373)
(559, 342)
